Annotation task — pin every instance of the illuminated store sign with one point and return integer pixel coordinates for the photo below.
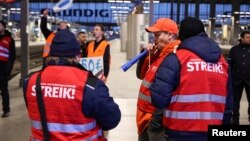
(83, 13)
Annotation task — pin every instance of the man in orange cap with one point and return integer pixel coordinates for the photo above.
(149, 118)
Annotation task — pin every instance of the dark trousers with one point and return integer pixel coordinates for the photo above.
(4, 91)
(155, 130)
(237, 94)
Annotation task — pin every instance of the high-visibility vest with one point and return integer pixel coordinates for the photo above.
(99, 51)
(200, 98)
(46, 48)
(4, 48)
(63, 100)
(144, 103)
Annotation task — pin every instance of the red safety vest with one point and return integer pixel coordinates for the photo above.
(4, 48)
(99, 51)
(63, 97)
(46, 48)
(200, 98)
(144, 103)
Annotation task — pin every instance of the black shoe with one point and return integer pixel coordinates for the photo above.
(5, 114)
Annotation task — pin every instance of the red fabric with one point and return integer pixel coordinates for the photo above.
(7, 1)
(5, 44)
(145, 107)
(63, 97)
(198, 80)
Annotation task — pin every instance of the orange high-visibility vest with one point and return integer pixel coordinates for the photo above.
(145, 108)
(99, 50)
(47, 45)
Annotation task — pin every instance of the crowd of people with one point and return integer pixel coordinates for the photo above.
(187, 84)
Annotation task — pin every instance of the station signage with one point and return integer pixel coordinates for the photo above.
(95, 13)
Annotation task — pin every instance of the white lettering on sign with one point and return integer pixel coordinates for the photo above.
(199, 65)
(56, 90)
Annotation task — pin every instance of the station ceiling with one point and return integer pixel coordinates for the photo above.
(201, 1)
(183, 1)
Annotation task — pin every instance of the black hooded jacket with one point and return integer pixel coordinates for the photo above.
(7, 66)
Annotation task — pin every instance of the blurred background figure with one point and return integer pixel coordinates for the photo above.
(82, 39)
(100, 47)
(239, 60)
(7, 59)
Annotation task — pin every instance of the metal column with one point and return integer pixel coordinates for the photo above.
(151, 12)
(186, 8)
(212, 18)
(24, 40)
(1, 13)
(235, 22)
(197, 8)
(178, 11)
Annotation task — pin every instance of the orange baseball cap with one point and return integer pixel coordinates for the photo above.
(163, 24)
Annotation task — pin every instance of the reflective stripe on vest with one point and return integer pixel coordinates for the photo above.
(199, 98)
(193, 115)
(4, 55)
(71, 122)
(99, 134)
(144, 96)
(46, 48)
(66, 128)
(4, 48)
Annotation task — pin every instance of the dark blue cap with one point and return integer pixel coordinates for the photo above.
(64, 44)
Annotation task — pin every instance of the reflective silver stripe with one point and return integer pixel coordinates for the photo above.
(45, 51)
(4, 55)
(67, 128)
(33, 139)
(48, 44)
(4, 49)
(146, 83)
(90, 86)
(144, 97)
(89, 139)
(94, 136)
(199, 98)
(193, 115)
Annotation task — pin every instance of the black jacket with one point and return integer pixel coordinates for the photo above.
(239, 60)
(43, 26)
(7, 66)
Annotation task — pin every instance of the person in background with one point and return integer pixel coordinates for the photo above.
(100, 47)
(239, 60)
(149, 118)
(82, 39)
(47, 33)
(193, 85)
(87, 108)
(7, 59)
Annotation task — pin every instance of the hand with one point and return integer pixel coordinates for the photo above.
(151, 48)
(104, 79)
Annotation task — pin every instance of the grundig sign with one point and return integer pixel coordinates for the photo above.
(83, 13)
